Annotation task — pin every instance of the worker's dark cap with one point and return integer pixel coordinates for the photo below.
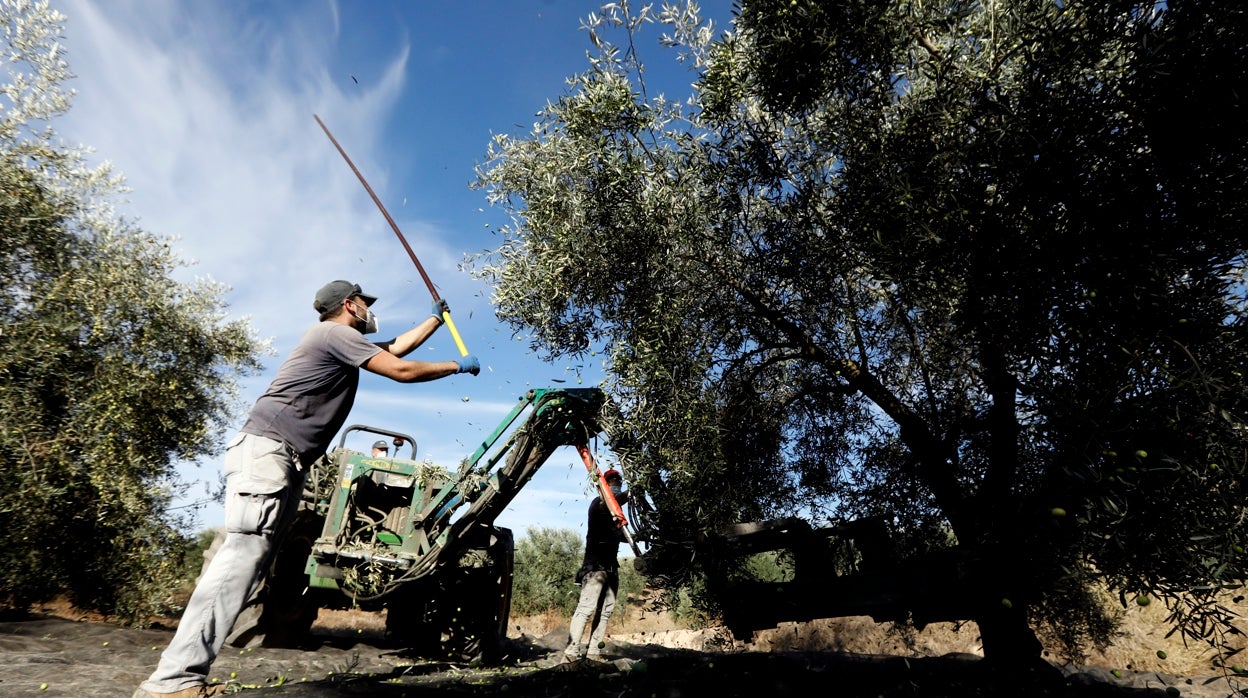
(334, 293)
(381, 444)
(613, 474)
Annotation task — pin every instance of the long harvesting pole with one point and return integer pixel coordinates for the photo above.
(446, 315)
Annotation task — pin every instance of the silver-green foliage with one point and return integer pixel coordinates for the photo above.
(545, 572)
(961, 264)
(611, 251)
(110, 371)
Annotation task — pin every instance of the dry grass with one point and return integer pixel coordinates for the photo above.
(537, 626)
(628, 619)
(1142, 636)
(358, 624)
(1140, 646)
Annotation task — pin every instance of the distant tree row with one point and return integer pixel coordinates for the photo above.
(545, 574)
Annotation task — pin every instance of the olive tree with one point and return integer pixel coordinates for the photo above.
(110, 371)
(976, 267)
(545, 578)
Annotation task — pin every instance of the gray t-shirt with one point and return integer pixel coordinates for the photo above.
(308, 400)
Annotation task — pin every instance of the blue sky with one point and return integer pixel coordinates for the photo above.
(207, 109)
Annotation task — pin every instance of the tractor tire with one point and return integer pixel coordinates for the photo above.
(281, 612)
(462, 615)
(502, 564)
(409, 621)
(478, 605)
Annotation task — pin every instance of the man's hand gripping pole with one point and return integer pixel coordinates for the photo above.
(446, 315)
(607, 496)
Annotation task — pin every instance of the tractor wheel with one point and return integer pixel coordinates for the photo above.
(282, 611)
(477, 607)
(502, 564)
(409, 624)
(462, 615)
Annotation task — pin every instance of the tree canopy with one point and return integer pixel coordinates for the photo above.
(977, 267)
(111, 372)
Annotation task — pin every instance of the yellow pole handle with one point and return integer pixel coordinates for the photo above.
(450, 325)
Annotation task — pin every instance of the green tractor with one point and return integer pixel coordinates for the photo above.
(414, 539)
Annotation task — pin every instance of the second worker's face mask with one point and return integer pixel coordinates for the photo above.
(616, 490)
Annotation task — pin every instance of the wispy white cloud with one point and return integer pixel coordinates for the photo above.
(214, 132)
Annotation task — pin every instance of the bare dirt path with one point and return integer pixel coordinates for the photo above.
(47, 656)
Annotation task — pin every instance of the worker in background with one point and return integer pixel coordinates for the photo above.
(381, 449)
(599, 575)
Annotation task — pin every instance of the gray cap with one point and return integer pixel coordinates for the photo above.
(381, 444)
(334, 293)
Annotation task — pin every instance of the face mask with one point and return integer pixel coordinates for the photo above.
(616, 490)
(371, 323)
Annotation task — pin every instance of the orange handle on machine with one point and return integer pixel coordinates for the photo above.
(446, 316)
(608, 496)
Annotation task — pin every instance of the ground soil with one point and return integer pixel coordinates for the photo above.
(60, 653)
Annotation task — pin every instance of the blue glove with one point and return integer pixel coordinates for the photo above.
(469, 364)
(439, 307)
